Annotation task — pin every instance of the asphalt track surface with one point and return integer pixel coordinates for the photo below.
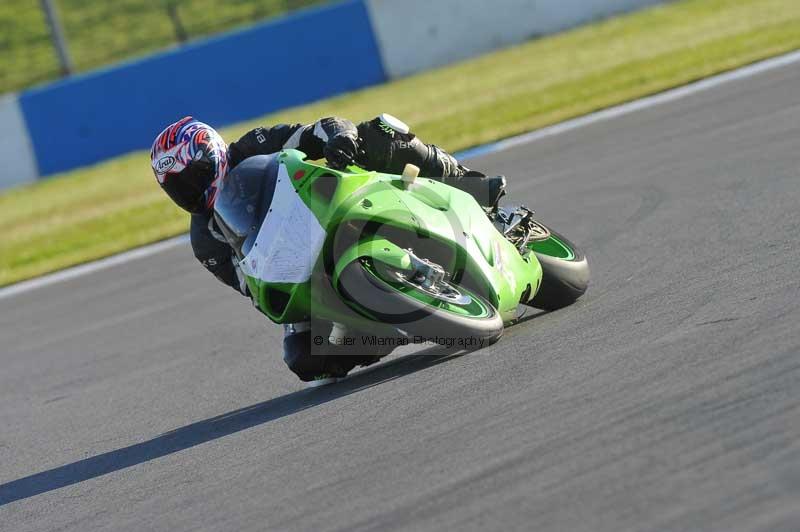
(147, 397)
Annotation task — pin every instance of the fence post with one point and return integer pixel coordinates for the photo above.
(177, 25)
(57, 34)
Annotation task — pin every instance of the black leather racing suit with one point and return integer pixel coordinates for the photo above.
(379, 148)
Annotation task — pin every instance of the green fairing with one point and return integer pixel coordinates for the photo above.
(353, 205)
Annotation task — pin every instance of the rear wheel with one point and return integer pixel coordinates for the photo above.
(565, 272)
(430, 310)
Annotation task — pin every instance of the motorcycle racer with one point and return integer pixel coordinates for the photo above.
(189, 160)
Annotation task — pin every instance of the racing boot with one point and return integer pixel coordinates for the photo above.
(305, 353)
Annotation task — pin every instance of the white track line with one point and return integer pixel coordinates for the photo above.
(635, 105)
(91, 267)
(511, 142)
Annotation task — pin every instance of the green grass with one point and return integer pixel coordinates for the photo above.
(113, 206)
(105, 31)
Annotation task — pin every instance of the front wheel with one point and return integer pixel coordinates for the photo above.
(441, 312)
(565, 272)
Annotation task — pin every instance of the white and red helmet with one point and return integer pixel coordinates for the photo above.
(189, 159)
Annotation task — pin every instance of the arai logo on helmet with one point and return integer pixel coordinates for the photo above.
(165, 164)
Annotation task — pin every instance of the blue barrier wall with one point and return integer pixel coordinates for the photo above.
(304, 57)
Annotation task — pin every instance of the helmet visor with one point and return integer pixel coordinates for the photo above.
(187, 188)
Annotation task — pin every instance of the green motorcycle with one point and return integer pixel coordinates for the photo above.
(393, 255)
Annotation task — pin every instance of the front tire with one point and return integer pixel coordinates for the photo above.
(565, 272)
(379, 292)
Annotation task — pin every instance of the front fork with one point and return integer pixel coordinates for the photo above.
(419, 271)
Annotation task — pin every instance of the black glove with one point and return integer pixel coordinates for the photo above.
(340, 151)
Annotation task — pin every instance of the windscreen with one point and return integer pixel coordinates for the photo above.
(243, 200)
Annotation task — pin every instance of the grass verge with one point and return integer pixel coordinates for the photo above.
(98, 33)
(100, 210)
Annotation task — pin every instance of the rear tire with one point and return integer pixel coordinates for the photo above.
(565, 272)
(375, 296)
